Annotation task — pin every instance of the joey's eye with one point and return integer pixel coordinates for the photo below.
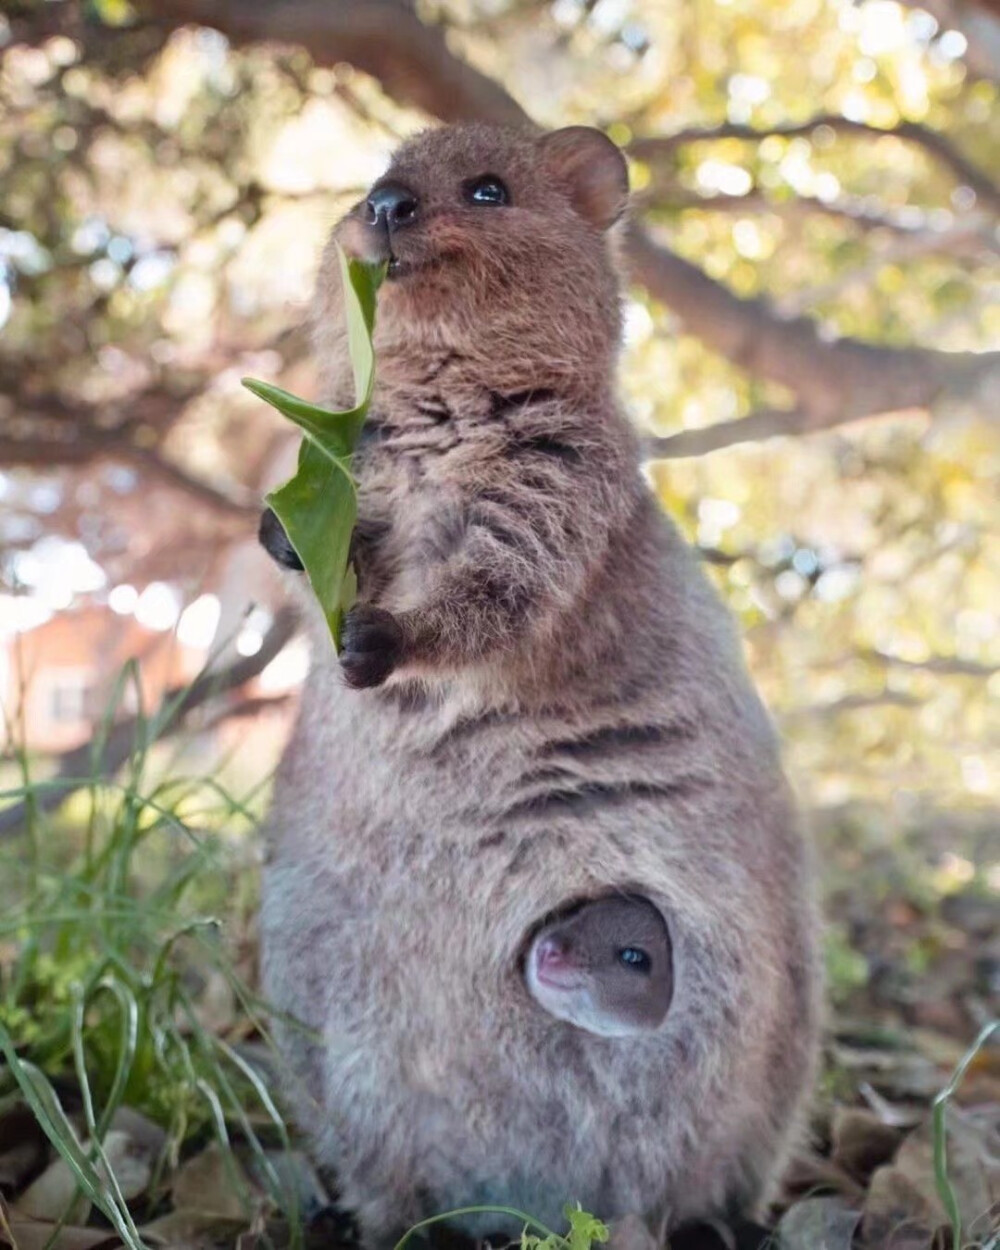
(486, 190)
(634, 958)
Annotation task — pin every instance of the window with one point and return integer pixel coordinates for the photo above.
(67, 696)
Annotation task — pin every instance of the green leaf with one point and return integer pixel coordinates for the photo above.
(360, 283)
(318, 506)
(333, 434)
(584, 1228)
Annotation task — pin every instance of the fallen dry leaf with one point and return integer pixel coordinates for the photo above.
(973, 1144)
(192, 1230)
(36, 1235)
(905, 1191)
(27, 1234)
(809, 1172)
(818, 1224)
(861, 1142)
(145, 1133)
(130, 1161)
(893, 1205)
(212, 1186)
(51, 1195)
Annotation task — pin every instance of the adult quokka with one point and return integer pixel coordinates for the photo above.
(539, 704)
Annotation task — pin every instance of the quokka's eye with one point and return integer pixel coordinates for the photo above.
(634, 958)
(486, 190)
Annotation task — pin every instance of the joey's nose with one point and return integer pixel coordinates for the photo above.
(550, 954)
(391, 203)
(555, 966)
(552, 957)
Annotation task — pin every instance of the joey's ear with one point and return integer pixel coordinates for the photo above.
(592, 169)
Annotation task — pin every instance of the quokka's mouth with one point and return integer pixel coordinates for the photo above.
(399, 268)
(558, 980)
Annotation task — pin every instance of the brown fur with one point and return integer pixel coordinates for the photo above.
(564, 713)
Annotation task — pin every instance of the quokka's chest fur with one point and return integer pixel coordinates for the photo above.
(434, 446)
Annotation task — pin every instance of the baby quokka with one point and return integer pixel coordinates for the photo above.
(606, 966)
(535, 885)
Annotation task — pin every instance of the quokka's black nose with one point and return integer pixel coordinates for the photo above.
(391, 203)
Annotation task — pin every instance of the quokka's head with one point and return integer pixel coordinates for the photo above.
(497, 241)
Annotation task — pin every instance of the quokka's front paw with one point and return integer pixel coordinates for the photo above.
(275, 541)
(371, 646)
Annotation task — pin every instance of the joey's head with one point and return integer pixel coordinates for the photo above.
(606, 966)
(497, 246)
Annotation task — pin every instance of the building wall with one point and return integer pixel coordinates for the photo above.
(57, 680)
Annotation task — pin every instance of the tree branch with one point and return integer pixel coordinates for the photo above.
(968, 237)
(41, 453)
(663, 197)
(833, 381)
(47, 431)
(654, 147)
(385, 38)
(849, 703)
(943, 665)
(235, 501)
(763, 424)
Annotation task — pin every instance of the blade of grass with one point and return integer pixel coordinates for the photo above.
(128, 1043)
(159, 968)
(222, 1133)
(278, 1191)
(79, 915)
(945, 1191)
(127, 677)
(286, 1197)
(96, 1143)
(527, 1220)
(43, 1101)
(5, 1227)
(216, 1110)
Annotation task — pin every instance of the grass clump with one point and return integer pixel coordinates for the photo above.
(109, 942)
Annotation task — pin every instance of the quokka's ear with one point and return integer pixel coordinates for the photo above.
(592, 169)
